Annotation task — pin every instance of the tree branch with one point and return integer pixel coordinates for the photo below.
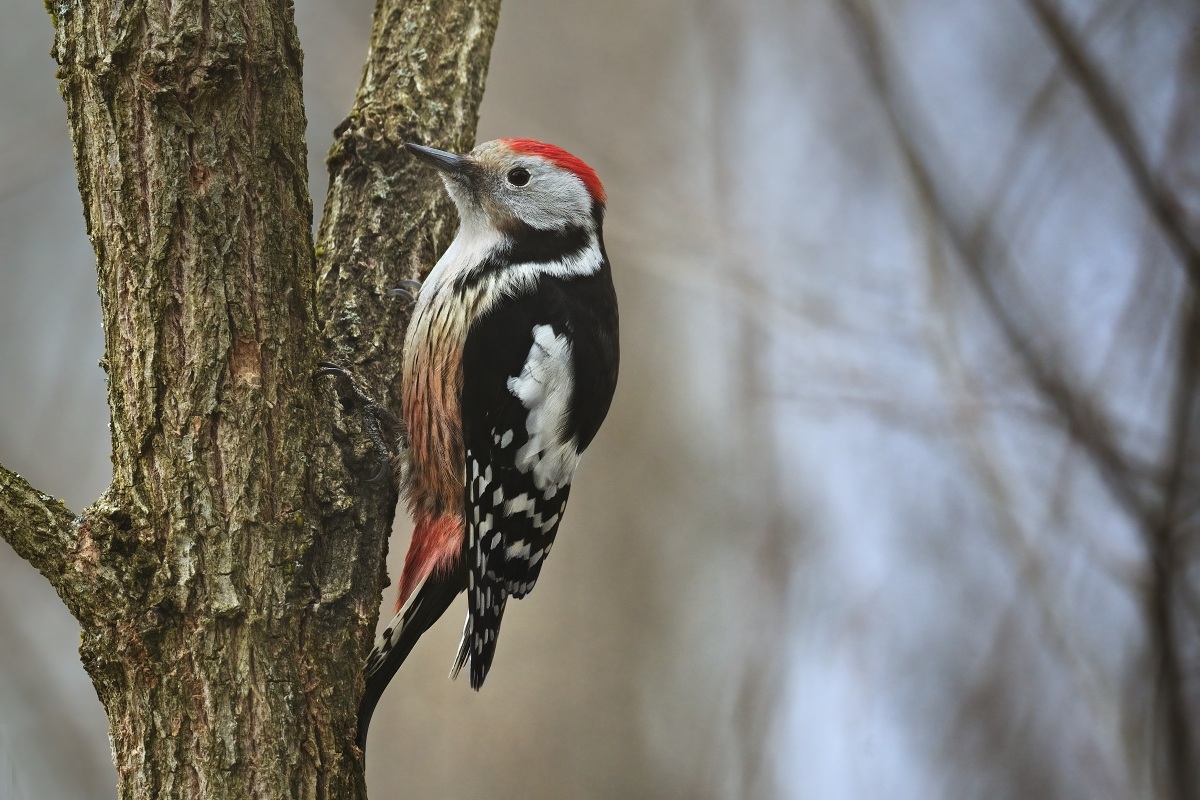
(386, 219)
(228, 580)
(1151, 500)
(1114, 120)
(225, 639)
(1169, 567)
(40, 528)
(84, 557)
(982, 255)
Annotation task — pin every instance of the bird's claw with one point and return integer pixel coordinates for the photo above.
(407, 289)
(329, 368)
(372, 413)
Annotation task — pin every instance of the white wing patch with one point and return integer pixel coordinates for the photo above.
(545, 387)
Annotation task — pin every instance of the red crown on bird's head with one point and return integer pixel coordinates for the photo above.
(561, 159)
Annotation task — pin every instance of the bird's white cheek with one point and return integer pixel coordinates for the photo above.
(557, 201)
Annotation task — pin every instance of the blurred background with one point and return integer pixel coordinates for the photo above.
(899, 493)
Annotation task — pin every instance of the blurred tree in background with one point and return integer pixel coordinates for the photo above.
(898, 497)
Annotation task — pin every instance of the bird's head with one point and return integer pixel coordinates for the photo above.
(513, 184)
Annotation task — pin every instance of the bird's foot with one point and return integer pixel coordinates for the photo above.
(375, 417)
(407, 289)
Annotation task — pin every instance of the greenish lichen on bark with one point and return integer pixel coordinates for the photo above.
(227, 581)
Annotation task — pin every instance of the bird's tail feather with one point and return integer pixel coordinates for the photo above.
(423, 608)
(464, 650)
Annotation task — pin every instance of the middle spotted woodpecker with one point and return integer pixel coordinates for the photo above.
(510, 362)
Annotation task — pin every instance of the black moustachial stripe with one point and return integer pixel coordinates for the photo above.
(529, 245)
(533, 246)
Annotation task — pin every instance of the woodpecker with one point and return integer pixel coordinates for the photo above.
(510, 363)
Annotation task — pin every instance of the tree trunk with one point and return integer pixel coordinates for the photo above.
(228, 580)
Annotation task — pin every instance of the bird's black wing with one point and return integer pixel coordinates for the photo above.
(531, 402)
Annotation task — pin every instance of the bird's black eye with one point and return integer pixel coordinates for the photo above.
(518, 176)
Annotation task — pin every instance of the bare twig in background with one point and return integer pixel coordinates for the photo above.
(1151, 499)
(1113, 116)
(982, 256)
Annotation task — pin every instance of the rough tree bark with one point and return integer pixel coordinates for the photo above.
(227, 581)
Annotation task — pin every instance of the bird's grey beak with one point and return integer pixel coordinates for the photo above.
(440, 159)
